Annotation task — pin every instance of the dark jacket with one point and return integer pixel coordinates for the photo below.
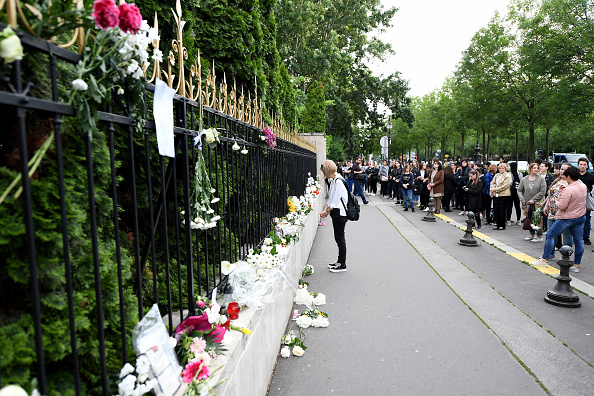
(474, 194)
(449, 183)
(462, 176)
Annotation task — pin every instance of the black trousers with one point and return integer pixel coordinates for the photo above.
(338, 224)
(385, 188)
(373, 186)
(447, 198)
(500, 205)
(514, 201)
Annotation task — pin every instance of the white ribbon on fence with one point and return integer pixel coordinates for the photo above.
(163, 113)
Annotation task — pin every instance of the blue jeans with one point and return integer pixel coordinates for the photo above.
(407, 196)
(587, 225)
(576, 227)
(350, 184)
(359, 190)
(567, 238)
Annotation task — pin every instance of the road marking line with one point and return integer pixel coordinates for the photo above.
(577, 284)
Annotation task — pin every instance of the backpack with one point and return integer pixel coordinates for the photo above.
(417, 188)
(352, 207)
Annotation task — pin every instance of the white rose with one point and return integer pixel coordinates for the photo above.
(11, 48)
(320, 321)
(209, 137)
(263, 137)
(298, 351)
(285, 352)
(13, 390)
(268, 241)
(79, 85)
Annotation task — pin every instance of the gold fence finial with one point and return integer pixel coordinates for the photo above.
(178, 47)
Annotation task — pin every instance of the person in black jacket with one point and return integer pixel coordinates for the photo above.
(462, 177)
(406, 184)
(515, 199)
(394, 181)
(373, 177)
(449, 183)
(474, 191)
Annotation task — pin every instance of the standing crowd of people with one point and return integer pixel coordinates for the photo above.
(548, 198)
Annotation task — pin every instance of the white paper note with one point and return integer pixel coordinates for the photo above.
(163, 112)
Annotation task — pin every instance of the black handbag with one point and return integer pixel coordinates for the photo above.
(528, 220)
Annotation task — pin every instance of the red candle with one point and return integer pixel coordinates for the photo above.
(233, 310)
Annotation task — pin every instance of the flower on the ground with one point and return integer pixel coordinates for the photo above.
(11, 48)
(320, 321)
(197, 369)
(298, 351)
(79, 85)
(304, 321)
(267, 241)
(235, 146)
(106, 14)
(130, 18)
(227, 267)
(285, 352)
(320, 299)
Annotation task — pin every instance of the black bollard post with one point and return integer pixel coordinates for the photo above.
(468, 238)
(429, 216)
(562, 295)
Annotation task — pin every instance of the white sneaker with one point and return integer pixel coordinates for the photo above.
(529, 238)
(508, 222)
(518, 223)
(537, 240)
(426, 210)
(461, 213)
(574, 269)
(540, 263)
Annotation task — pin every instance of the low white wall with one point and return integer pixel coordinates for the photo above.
(251, 359)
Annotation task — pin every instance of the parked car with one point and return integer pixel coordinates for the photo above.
(572, 158)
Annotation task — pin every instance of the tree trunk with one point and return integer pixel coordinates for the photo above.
(531, 139)
(488, 147)
(548, 148)
(463, 135)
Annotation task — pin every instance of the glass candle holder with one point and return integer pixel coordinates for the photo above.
(233, 310)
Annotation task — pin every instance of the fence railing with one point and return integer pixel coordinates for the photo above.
(99, 230)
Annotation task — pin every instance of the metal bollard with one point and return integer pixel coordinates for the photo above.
(562, 295)
(429, 216)
(468, 238)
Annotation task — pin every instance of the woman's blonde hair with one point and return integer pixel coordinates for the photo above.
(503, 164)
(493, 168)
(329, 168)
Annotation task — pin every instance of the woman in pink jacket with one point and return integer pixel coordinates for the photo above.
(571, 214)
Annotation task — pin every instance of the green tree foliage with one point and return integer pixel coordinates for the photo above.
(330, 42)
(314, 116)
(239, 36)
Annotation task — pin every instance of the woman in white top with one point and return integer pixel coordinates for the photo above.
(336, 207)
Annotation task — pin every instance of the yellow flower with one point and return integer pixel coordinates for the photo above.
(245, 330)
(291, 206)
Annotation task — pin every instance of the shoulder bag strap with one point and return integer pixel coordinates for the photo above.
(347, 188)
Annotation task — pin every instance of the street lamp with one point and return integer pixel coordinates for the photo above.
(361, 145)
(477, 151)
(389, 126)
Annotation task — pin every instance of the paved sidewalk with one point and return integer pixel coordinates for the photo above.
(418, 314)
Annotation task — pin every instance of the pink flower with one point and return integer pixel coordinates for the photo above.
(200, 304)
(106, 13)
(198, 346)
(130, 18)
(198, 368)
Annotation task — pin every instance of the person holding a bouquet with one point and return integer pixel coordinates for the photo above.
(531, 191)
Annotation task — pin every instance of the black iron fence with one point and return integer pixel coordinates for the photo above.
(98, 229)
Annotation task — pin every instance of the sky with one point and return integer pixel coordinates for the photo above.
(429, 36)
